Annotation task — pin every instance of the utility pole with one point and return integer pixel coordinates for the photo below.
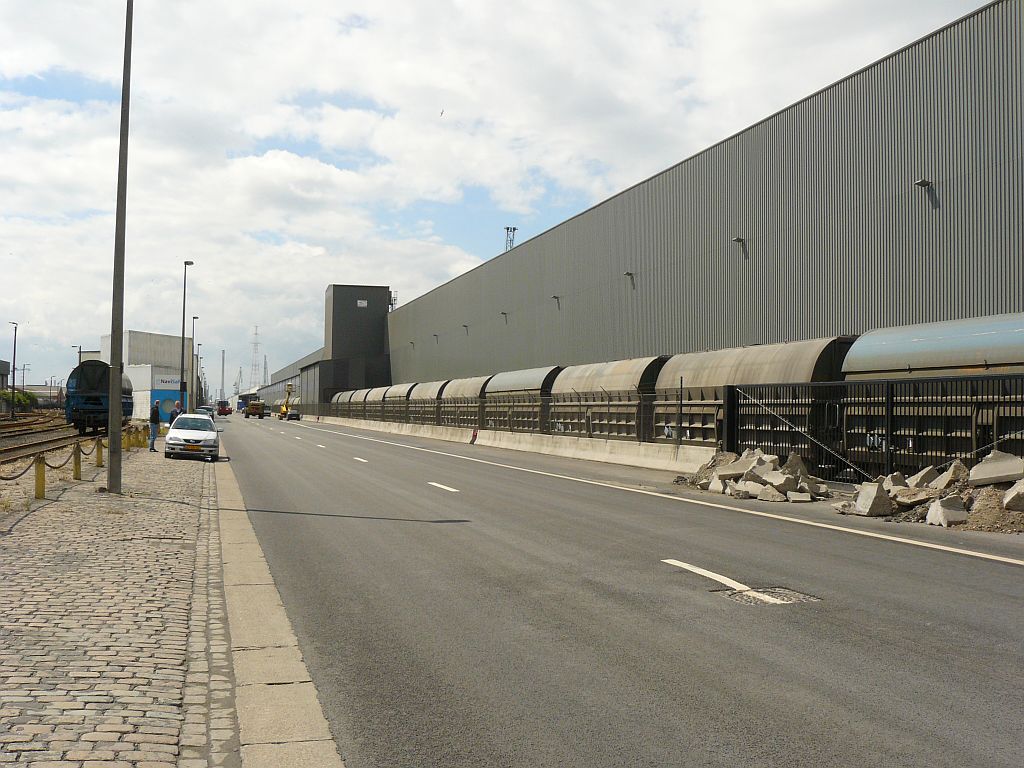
(221, 375)
(14, 367)
(117, 304)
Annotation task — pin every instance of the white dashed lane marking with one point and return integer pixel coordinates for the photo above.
(730, 583)
(362, 460)
(444, 487)
(320, 446)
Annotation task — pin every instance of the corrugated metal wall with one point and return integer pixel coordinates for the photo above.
(837, 238)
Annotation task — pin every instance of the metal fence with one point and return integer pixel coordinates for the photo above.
(859, 429)
(845, 431)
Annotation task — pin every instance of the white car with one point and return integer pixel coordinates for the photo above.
(192, 434)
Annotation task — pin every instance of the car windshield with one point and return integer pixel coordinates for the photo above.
(192, 424)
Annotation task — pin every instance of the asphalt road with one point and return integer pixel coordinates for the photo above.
(524, 619)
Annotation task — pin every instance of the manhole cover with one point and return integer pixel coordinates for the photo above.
(776, 595)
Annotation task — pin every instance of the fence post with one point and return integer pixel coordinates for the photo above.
(679, 415)
(76, 462)
(40, 463)
(889, 418)
(730, 419)
(99, 451)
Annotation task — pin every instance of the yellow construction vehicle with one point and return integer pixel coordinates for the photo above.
(283, 413)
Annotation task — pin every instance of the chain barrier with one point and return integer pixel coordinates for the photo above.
(85, 452)
(806, 434)
(63, 463)
(20, 474)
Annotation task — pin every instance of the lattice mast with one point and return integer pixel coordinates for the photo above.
(254, 369)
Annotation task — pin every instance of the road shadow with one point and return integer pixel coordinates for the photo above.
(350, 517)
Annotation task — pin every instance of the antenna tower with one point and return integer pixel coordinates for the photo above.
(510, 238)
(254, 370)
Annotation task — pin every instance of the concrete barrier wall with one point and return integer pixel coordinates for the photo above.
(684, 458)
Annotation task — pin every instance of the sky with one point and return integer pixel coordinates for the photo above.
(286, 146)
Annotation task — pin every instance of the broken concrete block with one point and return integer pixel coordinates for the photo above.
(872, 501)
(1013, 499)
(704, 484)
(751, 487)
(738, 468)
(768, 493)
(946, 511)
(956, 473)
(893, 481)
(911, 497)
(796, 496)
(781, 481)
(753, 477)
(998, 467)
(717, 485)
(795, 465)
(843, 507)
(736, 490)
(922, 478)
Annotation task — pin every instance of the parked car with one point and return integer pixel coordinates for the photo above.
(208, 410)
(193, 434)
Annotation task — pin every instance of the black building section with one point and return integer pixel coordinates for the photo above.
(355, 351)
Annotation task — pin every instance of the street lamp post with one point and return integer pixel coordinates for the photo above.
(14, 364)
(79, 348)
(184, 285)
(198, 361)
(191, 365)
(114, 410)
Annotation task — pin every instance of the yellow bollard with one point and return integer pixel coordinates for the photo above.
(99, 451)
(76, 462)
(40, 477)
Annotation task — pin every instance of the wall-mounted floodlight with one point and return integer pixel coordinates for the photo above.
(739, 240)
(412, 344)
(923, 183)
(505, 315)
(467, 328)
(632, 279)
(435, 339)
(558, 300)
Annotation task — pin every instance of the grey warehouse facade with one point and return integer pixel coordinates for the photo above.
(891, 197)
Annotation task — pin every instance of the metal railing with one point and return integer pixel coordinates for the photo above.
(845, 430)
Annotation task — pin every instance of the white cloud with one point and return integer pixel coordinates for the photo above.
(283, 146)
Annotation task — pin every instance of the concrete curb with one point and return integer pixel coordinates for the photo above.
(280, 719)
(683, 458)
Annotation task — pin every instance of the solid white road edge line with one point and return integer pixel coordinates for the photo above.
(444, 487)
(362, 460)
(731, 583)
(684, 500)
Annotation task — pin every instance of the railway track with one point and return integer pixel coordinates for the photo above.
(27, 450)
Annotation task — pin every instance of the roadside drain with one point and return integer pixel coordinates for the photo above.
(777, 595)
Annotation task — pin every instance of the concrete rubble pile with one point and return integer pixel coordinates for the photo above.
(946, 495)
(759, 475)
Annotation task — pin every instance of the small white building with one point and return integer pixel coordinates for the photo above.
(153, 363)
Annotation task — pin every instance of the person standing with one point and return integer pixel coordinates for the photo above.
(154, 425)
(175, 413)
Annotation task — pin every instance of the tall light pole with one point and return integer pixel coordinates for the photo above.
(198, 391)
(14, 366)
(79, 348)
(184, 285)
(191, 365)
(114, 413)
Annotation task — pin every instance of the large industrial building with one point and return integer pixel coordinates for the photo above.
(892, 197)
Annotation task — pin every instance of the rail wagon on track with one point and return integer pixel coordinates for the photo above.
(87, 405)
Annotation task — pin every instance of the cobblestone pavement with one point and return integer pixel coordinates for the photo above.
(113, 639)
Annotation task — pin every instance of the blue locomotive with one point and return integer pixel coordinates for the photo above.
(88, 396)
